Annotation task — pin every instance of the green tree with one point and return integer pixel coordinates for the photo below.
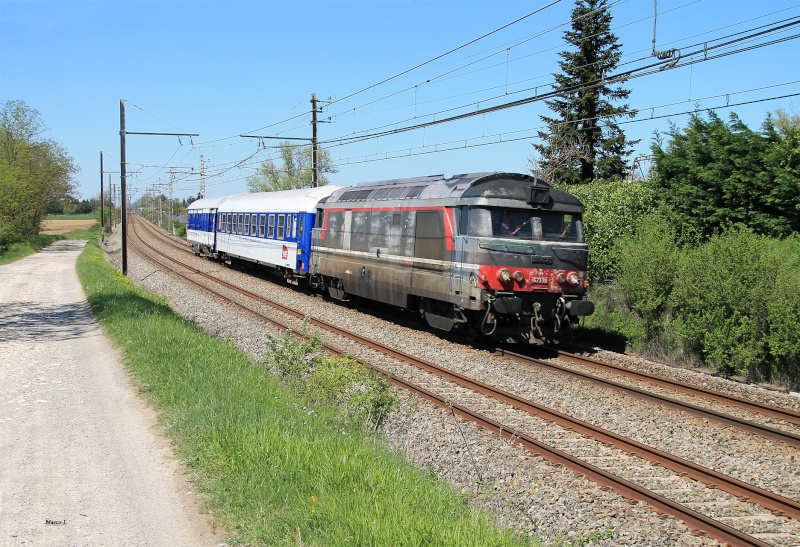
(293, 172)
(34, 172)
(583, 140)
(714, 174)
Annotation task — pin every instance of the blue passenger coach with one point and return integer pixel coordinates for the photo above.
(272, 229)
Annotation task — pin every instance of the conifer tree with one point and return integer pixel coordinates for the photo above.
(583, 141)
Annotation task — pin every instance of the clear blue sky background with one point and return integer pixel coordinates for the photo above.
(223, 68)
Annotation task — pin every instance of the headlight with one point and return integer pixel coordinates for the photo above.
(504, 276)
(574, 279)
(518, 276)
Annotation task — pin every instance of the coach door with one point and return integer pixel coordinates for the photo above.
(213, 227)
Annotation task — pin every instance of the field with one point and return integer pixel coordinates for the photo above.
(57, 227)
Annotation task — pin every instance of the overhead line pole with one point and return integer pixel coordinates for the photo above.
(314, 144)
(124, 198)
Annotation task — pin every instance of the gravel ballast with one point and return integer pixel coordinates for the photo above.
(525, 491)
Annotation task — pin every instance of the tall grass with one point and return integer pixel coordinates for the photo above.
(276, 470)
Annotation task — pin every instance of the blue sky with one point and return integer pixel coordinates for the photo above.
(225, 68)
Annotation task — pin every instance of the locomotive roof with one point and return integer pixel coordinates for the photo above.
(303, 199)
(502, 189)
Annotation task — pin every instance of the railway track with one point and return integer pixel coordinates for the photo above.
(791, 438)
(457, 394)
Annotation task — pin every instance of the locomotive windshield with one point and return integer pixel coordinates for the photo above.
(522, 224)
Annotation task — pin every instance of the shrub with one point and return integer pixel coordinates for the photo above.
(719, 299)
(613, 210)
(353, 388)
(646, 265)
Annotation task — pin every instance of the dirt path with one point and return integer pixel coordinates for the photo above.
(81, 462)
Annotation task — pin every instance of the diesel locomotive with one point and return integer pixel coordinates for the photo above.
(495, 254)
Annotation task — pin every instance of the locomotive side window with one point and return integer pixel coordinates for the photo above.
(334, 231)
(271, 227)
(262, 220)
(360, 231)
(281, 221)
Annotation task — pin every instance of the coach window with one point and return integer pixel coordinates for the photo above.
(230, 223)
(241, 223)
(281, 223)
(271, 230)
(221, 223)
(246, 229)
(262, 220)
(254, 225)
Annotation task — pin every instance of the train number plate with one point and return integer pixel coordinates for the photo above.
(540, 280)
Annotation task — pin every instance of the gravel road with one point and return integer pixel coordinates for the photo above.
(82, 461)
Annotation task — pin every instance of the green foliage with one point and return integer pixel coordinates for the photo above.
(719, 299)
(647, 265)
(583, 140)
(714, 174)
(360, 394)
(294, 172)
(613, 210)
(732, 303)
(34, 172)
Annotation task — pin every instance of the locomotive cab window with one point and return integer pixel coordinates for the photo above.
(522, 224)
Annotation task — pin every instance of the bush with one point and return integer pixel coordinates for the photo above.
(734, 302)
(614, 209)
(647, 264)
(360, 394)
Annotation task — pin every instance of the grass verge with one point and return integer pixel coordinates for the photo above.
(276, 469)
(34, 244)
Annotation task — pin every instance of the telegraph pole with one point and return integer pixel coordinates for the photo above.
(314, 151)
(124, 195)
(202, 177)
(313, 139)
(102, 215)
(122, 177)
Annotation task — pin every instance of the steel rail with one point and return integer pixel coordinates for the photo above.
(769, 500)
(751, 406)
(789, 438)
(694, 520)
